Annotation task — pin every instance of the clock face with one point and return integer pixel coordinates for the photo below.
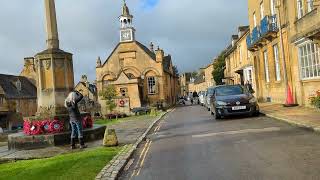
(126, 35)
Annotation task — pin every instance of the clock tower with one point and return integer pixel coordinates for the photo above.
(127, 32)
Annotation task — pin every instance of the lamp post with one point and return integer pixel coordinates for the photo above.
(289, 98)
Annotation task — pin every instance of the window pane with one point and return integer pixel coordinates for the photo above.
(151, 85)
(265, 56)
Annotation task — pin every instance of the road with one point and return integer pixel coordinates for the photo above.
(188, 144)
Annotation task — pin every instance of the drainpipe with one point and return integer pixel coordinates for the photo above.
(289, 99)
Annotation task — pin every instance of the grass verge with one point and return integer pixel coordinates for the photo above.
(83, 165)
(115, 121)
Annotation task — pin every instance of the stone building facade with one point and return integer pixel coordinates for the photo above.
(203, 80)
(184, 83)
(18, 99)
(90, 96)
(239, 64)
(284, 43)
(142, 76)
(304, 50)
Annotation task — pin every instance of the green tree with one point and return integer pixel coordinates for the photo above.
(219, 66)
(175, 70)
(194, 74)
(109, 93)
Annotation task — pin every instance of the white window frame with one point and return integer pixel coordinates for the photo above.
(152, 85)
(309, 60)
(277, 62)
(300, 9)
(125, 90)
(273, 7)
(266, 66)
(254, 19)
(261, 10)
(310, 5)
(240, 54)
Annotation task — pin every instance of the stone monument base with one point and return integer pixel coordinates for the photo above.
(20, 141)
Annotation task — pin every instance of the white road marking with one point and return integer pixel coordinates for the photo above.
(271, 129)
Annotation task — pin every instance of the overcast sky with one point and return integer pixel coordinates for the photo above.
(192, 31)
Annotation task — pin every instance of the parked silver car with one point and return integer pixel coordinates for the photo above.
(209, 94)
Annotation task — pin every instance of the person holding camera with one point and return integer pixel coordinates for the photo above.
(71, 103)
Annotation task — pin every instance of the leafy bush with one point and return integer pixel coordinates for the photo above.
(315, 101)
(109, 93)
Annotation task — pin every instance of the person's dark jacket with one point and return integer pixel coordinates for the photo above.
(195, 94)
(73, 110)
(249, 88)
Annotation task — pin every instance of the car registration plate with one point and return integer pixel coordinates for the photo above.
(237, 108)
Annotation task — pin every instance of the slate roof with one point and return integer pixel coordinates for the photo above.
(147, 50)
(8, 84)
(92, 88)
(166, 63)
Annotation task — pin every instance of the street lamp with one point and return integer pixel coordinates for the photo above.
(289, 96)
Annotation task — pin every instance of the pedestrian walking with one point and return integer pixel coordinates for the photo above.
(248, 85)
(195, 97)
(71, 103)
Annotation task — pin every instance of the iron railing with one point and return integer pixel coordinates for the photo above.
(269, 24)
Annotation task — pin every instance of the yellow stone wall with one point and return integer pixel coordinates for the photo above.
(29, 70)
(294, 32)
(273, 89)
(130, 58)
(208, 76)
(236, 61)
(299, 28)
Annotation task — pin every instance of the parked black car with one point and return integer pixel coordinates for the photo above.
(231, 100)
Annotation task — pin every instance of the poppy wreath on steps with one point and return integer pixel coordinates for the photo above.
(46, 126)
(36, 128)
(26, 127)
(87, 122)
(56, 126)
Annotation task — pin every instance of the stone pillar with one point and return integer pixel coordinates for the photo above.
(55, 77)
(52, 27)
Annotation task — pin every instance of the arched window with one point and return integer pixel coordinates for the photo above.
(125, 21)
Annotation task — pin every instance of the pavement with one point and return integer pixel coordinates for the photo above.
(190, 144)
(298, 116)
(127, 132)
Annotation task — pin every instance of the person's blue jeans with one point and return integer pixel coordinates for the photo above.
(76, 129)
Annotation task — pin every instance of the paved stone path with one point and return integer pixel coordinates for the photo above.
(127, 131)
(298, 116)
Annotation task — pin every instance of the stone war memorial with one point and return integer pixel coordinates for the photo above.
(54, 80)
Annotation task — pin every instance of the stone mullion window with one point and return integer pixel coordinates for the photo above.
(124, 92)
(309, 58)
(277, 62)
(152, 85)
(310, 5)
(300, 9)
(266, 66)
